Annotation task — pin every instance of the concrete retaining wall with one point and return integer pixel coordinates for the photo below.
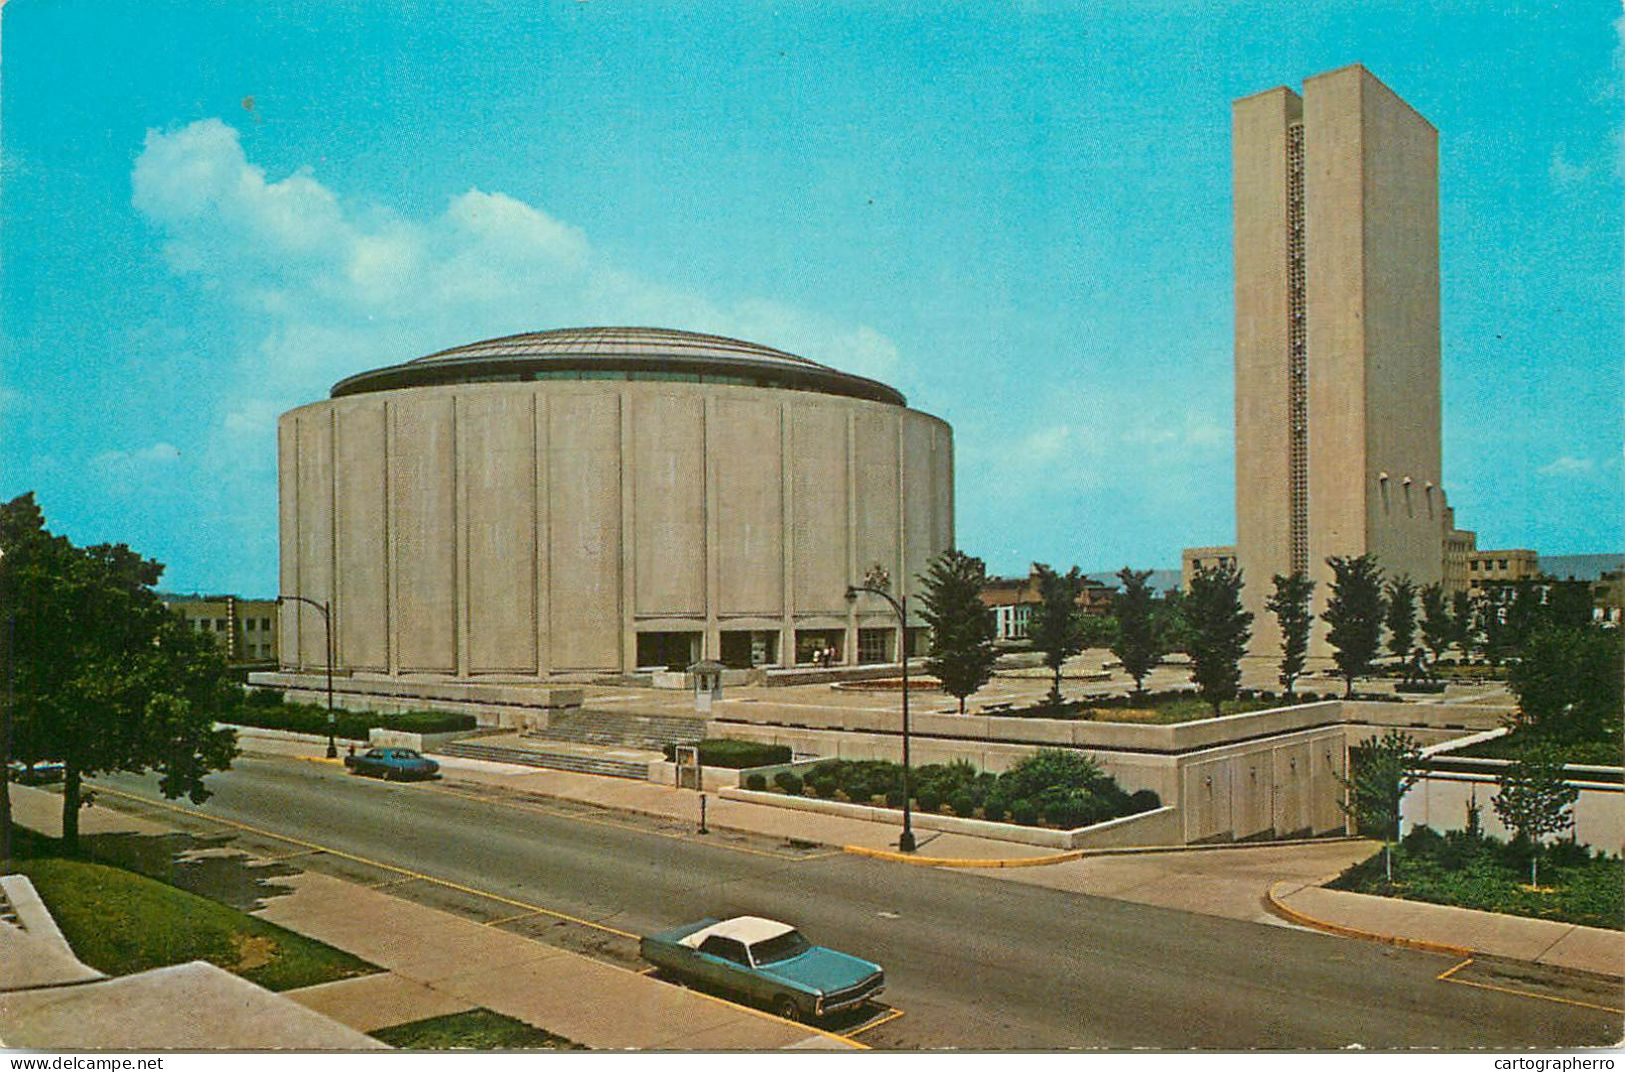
(1143, 829)
(1439, 800)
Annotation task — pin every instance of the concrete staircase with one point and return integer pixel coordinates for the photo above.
(531, 757)
(653, 732)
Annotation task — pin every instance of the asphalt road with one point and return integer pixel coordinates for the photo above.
(973, 961)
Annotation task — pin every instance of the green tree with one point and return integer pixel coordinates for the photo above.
(1354, 611)
(1489, 633)
(1400, 607)
(1569, 604)
(1170, 620)
(1138, 645)
(1534, 799)
(961, 655)
(104, 677)
(1437, 628)
(1526, 612)
(1464, 631)
(1289, 602)
(1381, 773)
(1568, 684)
(1219, 630)
(1056, 628)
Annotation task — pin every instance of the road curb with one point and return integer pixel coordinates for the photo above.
(950, 861)
(1292, 915)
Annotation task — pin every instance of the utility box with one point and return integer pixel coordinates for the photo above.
(707, 676)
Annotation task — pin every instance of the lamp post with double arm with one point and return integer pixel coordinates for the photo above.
(327, 631)
(875, 582)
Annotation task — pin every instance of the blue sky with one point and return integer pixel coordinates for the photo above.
(1018, 214)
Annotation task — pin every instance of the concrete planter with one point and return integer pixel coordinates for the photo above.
(378, 737)
(1158, 827)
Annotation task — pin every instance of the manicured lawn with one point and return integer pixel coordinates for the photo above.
(1166, 712)
(1493, 877)
(477, 1029)
(119, 922)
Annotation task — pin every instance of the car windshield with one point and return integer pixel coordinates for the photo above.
(787, 945)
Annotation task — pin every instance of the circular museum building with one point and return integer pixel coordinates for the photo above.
(604, 499)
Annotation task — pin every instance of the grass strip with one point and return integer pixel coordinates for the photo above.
(476, 1029)
(119, 922)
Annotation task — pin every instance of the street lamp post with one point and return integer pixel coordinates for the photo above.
(875, 583)
(327, 630)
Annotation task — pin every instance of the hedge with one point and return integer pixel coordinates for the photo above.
(351, 725)
(736, 755)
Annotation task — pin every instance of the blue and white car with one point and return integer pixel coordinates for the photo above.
(391, 763)
(764, 962)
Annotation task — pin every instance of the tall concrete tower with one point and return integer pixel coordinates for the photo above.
(1337, 337)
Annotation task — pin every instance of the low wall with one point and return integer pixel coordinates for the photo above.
(378, 737)
(1439, 800)
(1130, 830)
(363, 692)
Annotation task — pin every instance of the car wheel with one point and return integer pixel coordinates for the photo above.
(785, 1008)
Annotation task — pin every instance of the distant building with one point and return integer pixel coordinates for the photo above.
(244, 628)
(1501, 567)
(1336, 249)
(1011, 601)
(1459, 545)
(1194, 559)
(1608, 597)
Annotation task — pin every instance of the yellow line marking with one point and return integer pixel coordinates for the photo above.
(886, 1018)
(1445, 977)
(508, 919)
(1448, 972)
(478, 893)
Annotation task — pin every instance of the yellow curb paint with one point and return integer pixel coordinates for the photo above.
(951, 861)
(1292, 914)
(535, 909)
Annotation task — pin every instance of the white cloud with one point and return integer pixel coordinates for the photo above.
(1566, 466)
(343, 287)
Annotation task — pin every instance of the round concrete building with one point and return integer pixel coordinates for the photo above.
(604, 499)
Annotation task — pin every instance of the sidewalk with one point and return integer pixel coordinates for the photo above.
(435, 963)
(1231, 881)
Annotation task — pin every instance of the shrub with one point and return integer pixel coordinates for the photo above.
(263, 698)
(1024, 812)
(1144, 800)
(755, 781)
(894, 797)
(963, 804)
(736, 755)
(788, 781)
(1052, 768)
(858, 791)
(822, 785)
(929, 798)
(993, 809)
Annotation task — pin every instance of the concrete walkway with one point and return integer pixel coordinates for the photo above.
(439, 963)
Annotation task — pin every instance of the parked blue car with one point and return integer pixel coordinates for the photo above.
(391, 763)
(767, 963)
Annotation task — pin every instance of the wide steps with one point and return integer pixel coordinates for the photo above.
(653, 732)
(565, 761)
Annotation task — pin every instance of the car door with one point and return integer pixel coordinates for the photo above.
(726, 965)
